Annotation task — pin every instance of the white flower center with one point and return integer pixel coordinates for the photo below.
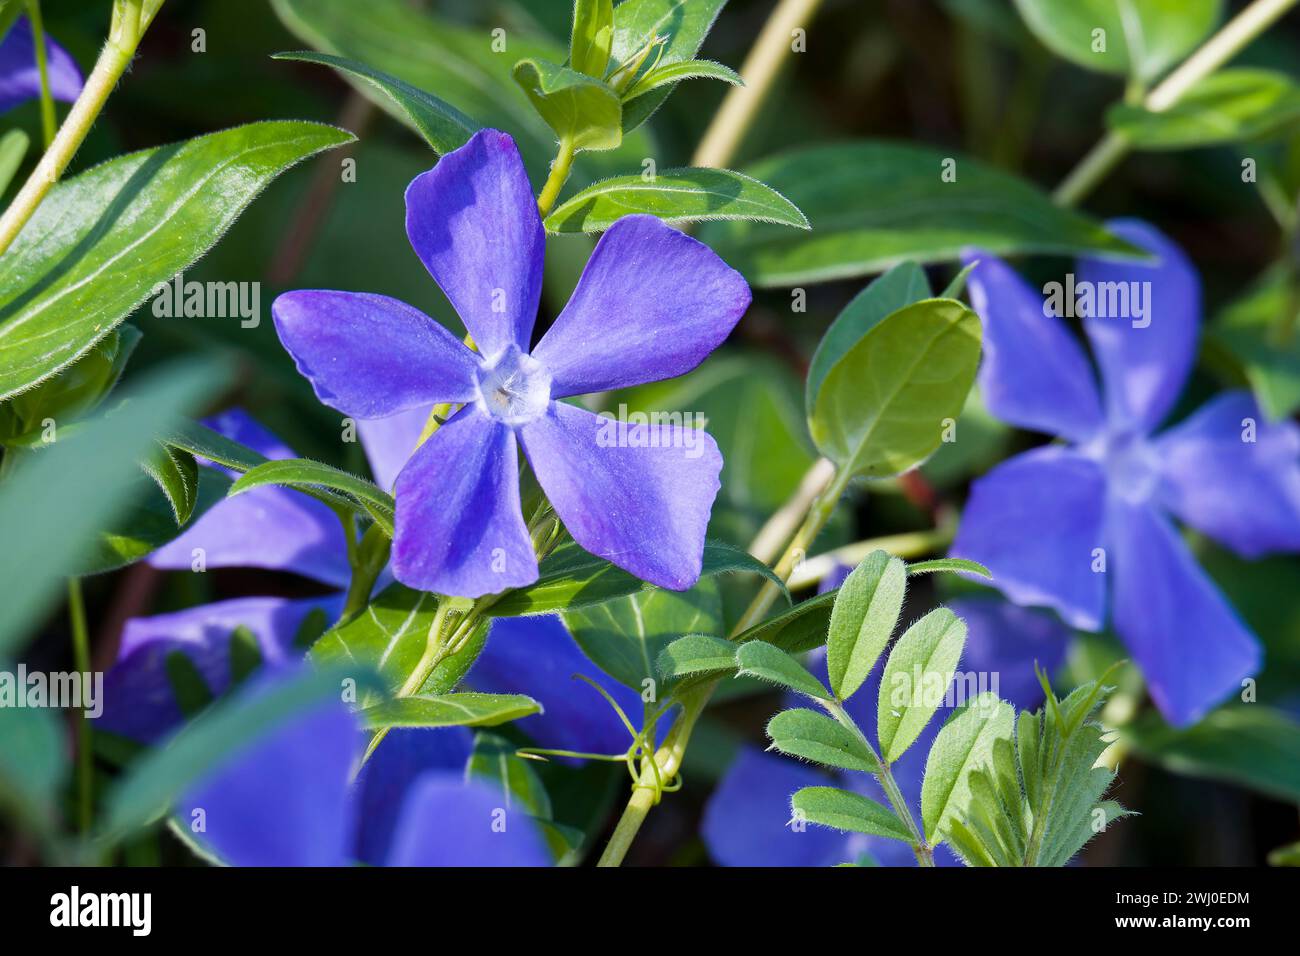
(514, 387)
(1132, 466)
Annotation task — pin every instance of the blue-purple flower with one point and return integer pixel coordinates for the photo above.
(1065, 524)
(651, 304)
(20, 78)
(747, 819)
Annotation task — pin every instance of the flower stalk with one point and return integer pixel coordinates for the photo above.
(560, 169)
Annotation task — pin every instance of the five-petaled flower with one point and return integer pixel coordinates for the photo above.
(1056, 523)
(20, 77)
(651, 304)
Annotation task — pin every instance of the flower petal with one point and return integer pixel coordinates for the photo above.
(1144, 361)
(389, 442)
(1035, 374)
(747, 819)
(1192, 647)
(1034, 521)
(20, 78)
(538, 657)
(371, 356)
(284, 800)
(447, 821)
(1243, 493)
(459, 526)
(405, 755)
(651, 304)
(1005, 641)
(636, 495)
(138, 699)
(473, 222)
(274, 528)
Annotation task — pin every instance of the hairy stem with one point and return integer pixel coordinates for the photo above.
(912, 544)
(130, 19)
(558, 177)
(759, 71)
(1236, 34)
(81, 663)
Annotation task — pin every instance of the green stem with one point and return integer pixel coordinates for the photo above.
(924, 852)
(1235, 35)
(49, 122)
(558, 177)
(81, 662)
(367, 560)
(130, 19)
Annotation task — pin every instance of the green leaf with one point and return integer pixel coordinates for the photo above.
(863, 619)
(33, 765)
(684, 24)
(450, 710)
(1142, 38)
(304, 474)
(187, 683)
(177, 475)
(625, 636)
(103, 240)
(13, 147)
(572, 578)
(916, 678)
(674, 195)
(1225, 107)
(443, 127)
(956, 565)
(494, 761)
(202, 441)
(847, 811)
(592, 37)
(55, 500)
(1249, 328)
(768, 663)
(964, 744)
(389, 638)
(875, 204)
(901, 286)
(164, 775)
(696, 654)
(801, 628)
(671, 73)
(883, 406)
(579, 109)
(1288, 855)
(812, 736)
(1252, 746)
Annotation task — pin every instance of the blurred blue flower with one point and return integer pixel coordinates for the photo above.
(20, 78)
(1057, 523)
(747, 818)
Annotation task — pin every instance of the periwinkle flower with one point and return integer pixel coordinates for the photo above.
(20, 78)
(652, 303)
(747, 819)
(283, 530)
(1062, 525)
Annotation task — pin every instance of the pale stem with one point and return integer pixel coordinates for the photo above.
(129, 23)
(556, 180)
(81, 662)
(1236, 34)
(776, 532)
(759, 71)
(912, 544)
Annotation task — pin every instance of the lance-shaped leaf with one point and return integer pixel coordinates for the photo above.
(885, 405)
(874, 204)
(304, 474)
(674, 195)
(812, 736)
(571, 578)
(863, 619)
(450, 710)
(1225, 107)
(102, 241)
(592, 37)
(389, 638)
(916, 679)
(847, 811)
(695, 655)
(671, 73)
(442, 125)
(771, 664)
(963, 745)
(177, 476)
(579, 109)
(683, 25)
(955, 565)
